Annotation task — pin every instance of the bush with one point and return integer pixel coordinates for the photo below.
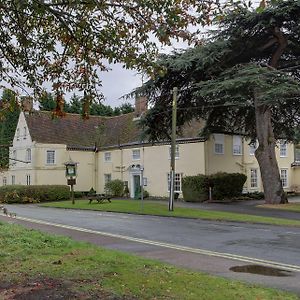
(145, 194)
(195, 188)
(227, 185)
(33, 193)
(115, 187)
(255, 195)
(224, 186)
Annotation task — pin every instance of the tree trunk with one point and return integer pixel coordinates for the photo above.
(265, 155)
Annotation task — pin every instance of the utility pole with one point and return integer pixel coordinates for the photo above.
(173, 147)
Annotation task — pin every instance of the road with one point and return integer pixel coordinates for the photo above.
(209, 246)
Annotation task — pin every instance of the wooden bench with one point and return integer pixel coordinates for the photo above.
(100, 198)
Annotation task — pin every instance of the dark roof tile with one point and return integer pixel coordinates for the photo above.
(74, 131)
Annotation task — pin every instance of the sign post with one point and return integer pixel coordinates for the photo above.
(71, 173)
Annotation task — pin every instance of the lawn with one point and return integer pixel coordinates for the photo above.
(154, 208)
(42, 266)
(289, 206)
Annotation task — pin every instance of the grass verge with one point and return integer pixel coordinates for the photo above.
(289, 206)
(152, 208)
(77, 270)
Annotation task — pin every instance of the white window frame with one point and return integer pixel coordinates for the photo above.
(253, 179)
(49, 160)
(28, 179)
(219, 144)
(177, 182)
(237, 145)
(107, 156)
(284, 177)
(107, 178)
(296, 157)
(176, 152)
(134, 154)
(28, 155)
(252, 148)
(283, 148)
(4, 181)
(13, 179)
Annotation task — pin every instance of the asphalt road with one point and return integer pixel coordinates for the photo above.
(208, 246)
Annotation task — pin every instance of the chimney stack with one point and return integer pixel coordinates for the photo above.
(141, 105)
(27, 104)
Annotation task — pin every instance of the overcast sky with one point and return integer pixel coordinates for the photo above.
(117, 83)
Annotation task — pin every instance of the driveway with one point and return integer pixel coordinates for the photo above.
(212, 247)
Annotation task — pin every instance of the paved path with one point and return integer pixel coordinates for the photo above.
(208, 246)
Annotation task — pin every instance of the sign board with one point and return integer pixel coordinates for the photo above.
(71, 181)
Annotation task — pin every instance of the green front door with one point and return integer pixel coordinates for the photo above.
(137, 186)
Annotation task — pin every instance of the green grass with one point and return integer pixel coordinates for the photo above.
(289, 206)
(29, 256)
(153, 208)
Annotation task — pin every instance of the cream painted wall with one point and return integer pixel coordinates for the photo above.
(228, 162)
(156, 163)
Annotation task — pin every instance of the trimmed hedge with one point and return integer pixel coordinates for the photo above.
(33, 193)
(195, 188)
(224, 186)
(227, 185)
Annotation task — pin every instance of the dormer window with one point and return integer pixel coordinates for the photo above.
(18, 134)
(25, 133)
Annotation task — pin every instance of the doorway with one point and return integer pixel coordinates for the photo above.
(135, 186)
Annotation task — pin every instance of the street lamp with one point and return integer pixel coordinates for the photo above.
(71, 173)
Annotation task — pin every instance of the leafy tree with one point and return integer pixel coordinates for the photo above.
(244, 79)
(69, 42)
(99, 109)
(126, 108)
(75, 105)
(8, 124)
(47, 102)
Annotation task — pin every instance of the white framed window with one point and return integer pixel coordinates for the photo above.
(18, 134)
(13, 179)
(28, 180)
(284, 177)
(4, 180)
(297, 153)
(177, 182)
(25, 133)
(283, 148)
(252, 147)
(107, 178)
(50, 157)
(176, 152)
(136, 154)
(237, 145)
(253, 178)
(219, 143)
(28, 155)
(107, 156)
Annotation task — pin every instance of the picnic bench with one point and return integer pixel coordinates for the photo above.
(100, 198)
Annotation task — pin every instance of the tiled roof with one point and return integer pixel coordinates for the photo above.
(74, 131)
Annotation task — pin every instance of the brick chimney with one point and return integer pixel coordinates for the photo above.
(141, 105)
(27, 104)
